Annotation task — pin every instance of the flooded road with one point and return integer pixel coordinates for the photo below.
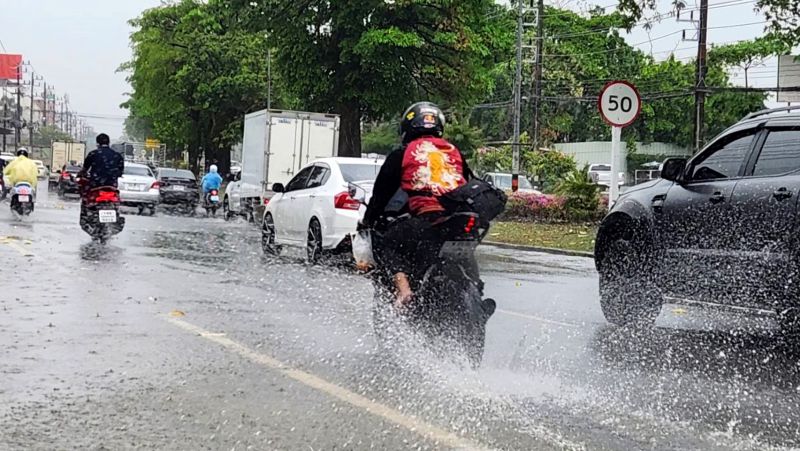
(179, 334)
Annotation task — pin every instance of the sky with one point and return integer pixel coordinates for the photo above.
(77, 45)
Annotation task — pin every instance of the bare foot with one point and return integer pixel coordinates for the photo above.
(404, 293)
(403, 300)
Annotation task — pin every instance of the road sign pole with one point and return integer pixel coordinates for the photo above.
(616, 143)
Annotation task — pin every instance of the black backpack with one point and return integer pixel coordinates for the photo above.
(476, 196)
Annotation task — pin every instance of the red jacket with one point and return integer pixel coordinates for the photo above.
(431, 168)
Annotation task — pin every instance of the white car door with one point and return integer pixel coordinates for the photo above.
(306, 200)
(285, 217)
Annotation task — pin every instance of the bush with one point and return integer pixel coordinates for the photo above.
(535, 208)
(578, 200)
(583, 196)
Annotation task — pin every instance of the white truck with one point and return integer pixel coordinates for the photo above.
(277, 144)
(63, 153)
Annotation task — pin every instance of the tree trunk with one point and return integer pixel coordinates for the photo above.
(350, 130)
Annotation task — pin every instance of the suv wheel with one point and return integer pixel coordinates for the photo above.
(628, 292)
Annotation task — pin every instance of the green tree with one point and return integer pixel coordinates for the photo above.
(380, 138)
(197, 69)
(368, 59)
(748, 54)
(45, 136)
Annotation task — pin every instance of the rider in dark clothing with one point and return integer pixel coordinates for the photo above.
(104, 165)
(425, 168)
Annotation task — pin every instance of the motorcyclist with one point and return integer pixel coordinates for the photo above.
(424, 168)
(21, 170)
(211, 181)
(104, 165)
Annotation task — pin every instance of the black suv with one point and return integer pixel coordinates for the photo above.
(722, 228)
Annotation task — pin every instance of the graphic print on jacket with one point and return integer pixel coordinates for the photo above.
(432, 167)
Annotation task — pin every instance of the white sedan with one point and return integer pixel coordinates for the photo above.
(315, 209)
(139, 188)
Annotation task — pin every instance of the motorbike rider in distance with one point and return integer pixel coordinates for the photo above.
(21, 170)
(104, 165)
(425, 168)
(211, 181)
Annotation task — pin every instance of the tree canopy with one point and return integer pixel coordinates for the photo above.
(199, 66)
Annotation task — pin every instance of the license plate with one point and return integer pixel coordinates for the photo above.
(214, 198)
(458, 248)
(23, 198)
(107, 216)
(179, 188)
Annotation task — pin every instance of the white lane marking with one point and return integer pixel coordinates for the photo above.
(9, 241)
(413, 424)
(537, 318)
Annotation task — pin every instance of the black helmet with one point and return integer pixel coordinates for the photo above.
(422, 119)
(22, 152)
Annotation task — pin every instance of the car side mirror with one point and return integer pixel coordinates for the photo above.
(278, 188)
(672, 169)
(357, 193)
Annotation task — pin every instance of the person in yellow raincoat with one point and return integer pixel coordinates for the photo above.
(21, 170)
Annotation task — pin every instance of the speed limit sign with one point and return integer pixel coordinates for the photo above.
(620, 103)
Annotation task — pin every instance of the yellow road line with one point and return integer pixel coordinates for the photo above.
(413, 424)
(8, 240)
(537, 318)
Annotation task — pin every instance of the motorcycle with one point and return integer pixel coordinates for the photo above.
(211, 202)
(448, 310)
(22, 199)
(100, 216)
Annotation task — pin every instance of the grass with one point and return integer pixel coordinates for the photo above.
(574, 237)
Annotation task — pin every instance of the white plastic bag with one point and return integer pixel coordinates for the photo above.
(362, 250)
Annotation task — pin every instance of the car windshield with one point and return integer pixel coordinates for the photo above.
(138, 170)
(73, 169)
(176, 174)
(360, 172)
(601, 168)
(503, 181)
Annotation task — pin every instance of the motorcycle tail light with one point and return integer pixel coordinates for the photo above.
(106, 196)
(470, 225)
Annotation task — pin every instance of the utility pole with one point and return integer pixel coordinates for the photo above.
(700, 89)
(44, 111)
(18, 122)
(30, 123)
(537, 75)
(5, 121)
(515, 145)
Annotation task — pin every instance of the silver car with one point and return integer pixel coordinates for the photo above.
(138, 187)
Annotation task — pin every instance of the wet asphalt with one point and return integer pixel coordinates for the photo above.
(179, 334)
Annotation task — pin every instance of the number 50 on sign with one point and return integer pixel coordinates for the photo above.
(620, 103)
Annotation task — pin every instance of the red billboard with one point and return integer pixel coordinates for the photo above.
(10, 66)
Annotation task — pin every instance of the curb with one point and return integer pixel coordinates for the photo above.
(546, 250)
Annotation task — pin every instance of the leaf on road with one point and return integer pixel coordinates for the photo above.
(177, 314)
